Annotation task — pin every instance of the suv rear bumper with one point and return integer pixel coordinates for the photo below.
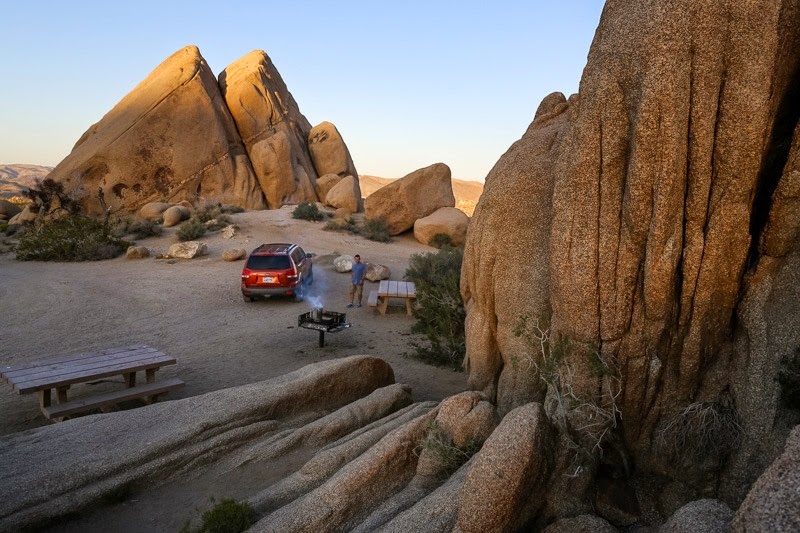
(276, 291)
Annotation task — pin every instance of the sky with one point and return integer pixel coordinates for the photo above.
(407, 84)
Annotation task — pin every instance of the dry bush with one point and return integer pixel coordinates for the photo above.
(701, 432)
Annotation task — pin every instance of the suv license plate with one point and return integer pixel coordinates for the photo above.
(268, 279)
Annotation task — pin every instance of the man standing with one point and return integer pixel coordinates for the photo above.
(357, 285)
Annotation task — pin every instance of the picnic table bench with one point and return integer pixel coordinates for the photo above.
(57, 374)
(392, 289)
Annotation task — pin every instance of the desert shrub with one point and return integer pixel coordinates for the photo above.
(139, 228)
(701, 432)
(376, 229)
(227, 516)
(219, 222)
(3, 226)
(450, 456)
(69, 238)
(50, 195)
(190, 230)
(348, 226)
(439, 240)
(231, 209)
(439, 309)
(306, 211)
(789, 382)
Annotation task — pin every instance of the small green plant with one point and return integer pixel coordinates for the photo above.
(440, 240)
(190, 230)
(450, 456)
(69, 238)
(227, 516)
(376, 229)
(3, 226)
(306, 211)
(789, 381)
(439, 309)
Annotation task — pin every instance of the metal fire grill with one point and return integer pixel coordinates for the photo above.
(323, 321)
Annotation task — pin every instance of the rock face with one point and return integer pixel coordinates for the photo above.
(326, 183)
(181, 135)
(446, 220)
(345, 195)
(331, 156)
(273, 130)
(170, 139)
(773, 503)
(159, 442)
(653, 227)
(411, 197)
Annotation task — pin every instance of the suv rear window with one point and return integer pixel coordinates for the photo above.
(268, 262)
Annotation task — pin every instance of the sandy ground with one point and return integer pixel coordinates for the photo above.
(193, 310)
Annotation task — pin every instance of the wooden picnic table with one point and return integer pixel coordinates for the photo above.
(57, 374)
(394, 289)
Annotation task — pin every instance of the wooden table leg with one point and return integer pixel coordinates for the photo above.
(150, 376)
(130, 379)
(44, 398)
(61, 394)
(408, 306)
(383, 304)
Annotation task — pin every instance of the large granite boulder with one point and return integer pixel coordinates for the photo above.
(345, 195)
(504, 487)
(171, 138)
(652, 228)
(100, 456)
(8, 209)
(773, 503)
(331, 156)
(325, 183)
(445, 220)
(411, 197)
(273, 129)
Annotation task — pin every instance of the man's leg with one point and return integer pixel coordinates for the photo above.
(360, 291)
(352, 293)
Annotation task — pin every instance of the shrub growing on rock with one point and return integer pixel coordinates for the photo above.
(439, 309)
(69, 238)
(306, 211)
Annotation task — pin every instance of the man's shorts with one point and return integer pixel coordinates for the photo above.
(357, 290)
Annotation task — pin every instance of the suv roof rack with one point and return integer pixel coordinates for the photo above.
(274, 248)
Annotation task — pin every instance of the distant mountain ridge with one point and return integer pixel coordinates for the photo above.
(16, 179)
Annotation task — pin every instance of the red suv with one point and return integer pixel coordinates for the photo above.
(276, 269)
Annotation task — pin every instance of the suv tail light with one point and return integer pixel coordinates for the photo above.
(292, 274)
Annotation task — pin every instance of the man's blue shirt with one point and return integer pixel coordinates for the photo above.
(359, 271)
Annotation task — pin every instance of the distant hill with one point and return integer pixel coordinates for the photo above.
(16, 179)
(467, 193)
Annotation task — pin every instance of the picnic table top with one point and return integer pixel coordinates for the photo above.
(397, 289)
(62, 370)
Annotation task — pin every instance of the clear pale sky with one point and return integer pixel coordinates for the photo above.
(407, 84)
